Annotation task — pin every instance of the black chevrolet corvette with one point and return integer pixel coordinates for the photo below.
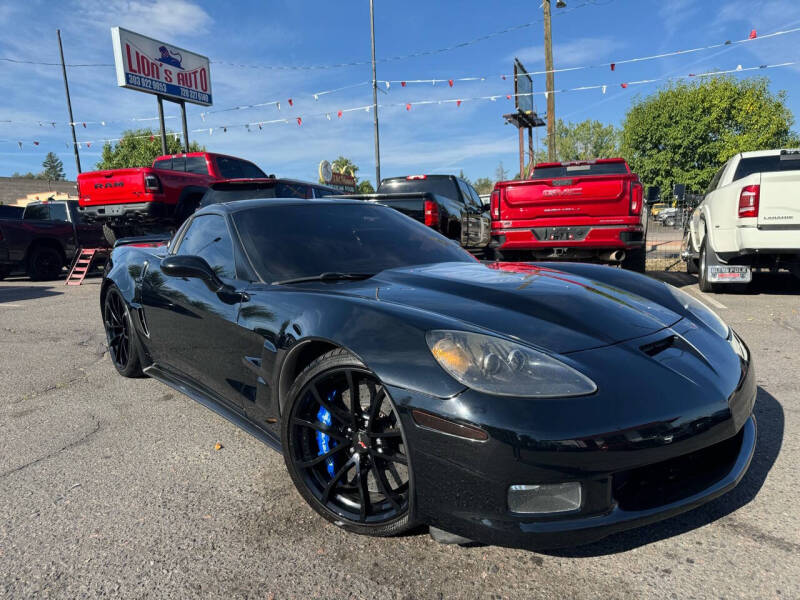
(407, 383)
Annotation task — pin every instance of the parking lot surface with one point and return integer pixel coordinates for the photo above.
(113, 488)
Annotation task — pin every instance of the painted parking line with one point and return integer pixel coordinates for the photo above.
(4, 305)
(709, 299)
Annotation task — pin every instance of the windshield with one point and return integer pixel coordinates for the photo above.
(612, 168)
(444, 186)
(303, 240)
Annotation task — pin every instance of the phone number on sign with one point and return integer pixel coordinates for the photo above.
(146, 83)
(194, 95)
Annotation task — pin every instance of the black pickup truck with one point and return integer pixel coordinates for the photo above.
(45, 239)
(445, 203)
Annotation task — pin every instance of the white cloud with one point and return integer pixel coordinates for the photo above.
(156, 18)
(572, 53)
(674, 13)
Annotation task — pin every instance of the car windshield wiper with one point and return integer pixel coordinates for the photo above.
(328, 276)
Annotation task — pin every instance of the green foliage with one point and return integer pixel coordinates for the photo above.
(365, 187)
(139, 148)
(28, 175)
(345, 165)
(53, 168)
(583, 141)
(684, 132)
(483, 185)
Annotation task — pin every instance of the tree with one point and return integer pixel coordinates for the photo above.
(684, 132)
(27, 175)
(138, 148)
(365, 187)
(483, 185)
(464, 177)
(583, 141)
(53, 167)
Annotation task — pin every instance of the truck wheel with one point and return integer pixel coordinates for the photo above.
(635, 260)
(702, 275)
(109, 234)
(44, 263)
(185, 209)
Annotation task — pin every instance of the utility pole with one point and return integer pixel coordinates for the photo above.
(375, 98)
(550, 80)
(69, 104)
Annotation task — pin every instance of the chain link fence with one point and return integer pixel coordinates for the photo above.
(667, 224)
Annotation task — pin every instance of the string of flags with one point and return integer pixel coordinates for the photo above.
(328, 115)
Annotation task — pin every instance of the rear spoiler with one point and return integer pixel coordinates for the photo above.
(144, 240)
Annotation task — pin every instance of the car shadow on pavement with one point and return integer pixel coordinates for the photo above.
(18, 293)
(770, 417)
(763, 283)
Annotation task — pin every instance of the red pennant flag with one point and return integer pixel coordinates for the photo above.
(613, 66)
(450, 82)
(88, 144)
(408, 106)
(753, 34)
(290, 102)
(504, 77)
(35, 143)
(458, 102)
(339, 114)
(403, 83)
(152, 138)
(299, 121)
(508, 96)
(624, 86)
(691, 74)
(84, 125)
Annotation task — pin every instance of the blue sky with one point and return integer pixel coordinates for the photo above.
(428, 138)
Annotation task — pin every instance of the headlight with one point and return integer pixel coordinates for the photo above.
(701, 311)
(495, 366)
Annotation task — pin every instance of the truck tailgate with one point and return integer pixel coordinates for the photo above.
(591, 196)
(413, 207)
(117, 186)
(779, 202)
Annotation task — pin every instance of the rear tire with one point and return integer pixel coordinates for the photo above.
(702, 275)
(636, 260)
(120, 334)
(44, 263)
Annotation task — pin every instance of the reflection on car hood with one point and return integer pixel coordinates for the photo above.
(551, 309)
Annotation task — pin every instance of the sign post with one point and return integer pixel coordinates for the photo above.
(169, 72)
(525, 117)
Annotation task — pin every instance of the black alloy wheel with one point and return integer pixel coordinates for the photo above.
(120, 335)
(345, 449)
(44, 263)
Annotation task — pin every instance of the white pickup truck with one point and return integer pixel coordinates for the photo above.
(749, 219)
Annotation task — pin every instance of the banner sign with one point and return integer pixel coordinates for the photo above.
(147, 65)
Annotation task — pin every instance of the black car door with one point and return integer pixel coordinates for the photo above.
(193, 329)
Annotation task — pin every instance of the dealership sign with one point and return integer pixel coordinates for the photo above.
(147, 65)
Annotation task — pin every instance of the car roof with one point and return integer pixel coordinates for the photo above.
(245, 181)
(760, 153)
(235, 206)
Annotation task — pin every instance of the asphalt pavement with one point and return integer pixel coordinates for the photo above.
(113, 488)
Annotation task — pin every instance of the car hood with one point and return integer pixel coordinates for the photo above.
(554, 310)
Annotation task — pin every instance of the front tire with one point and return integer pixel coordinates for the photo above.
(44, 264)
(120, 334)
(345, 448)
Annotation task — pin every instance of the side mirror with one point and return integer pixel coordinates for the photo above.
(193, 267)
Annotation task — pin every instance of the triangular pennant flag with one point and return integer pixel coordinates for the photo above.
(203, 117)
(316, 96)
(508, 96)
(54, 124)
(546, 95)
(339, 114)
(458, 102)
(224, 130)
(259, 125)
(20, 145)
(328, 116)
(84, 125)
(604, 89)
(291, 103)
(35, 143)
(738, 67)
(366, 108)
(278, 105)
(388, 85)
(624, 86)
(210, 131)
(450, 82)
(728, 42)
(408, 106)
(493, 98)
(299, 121)
(152, 138)
(753, 34)
(691, 74)
(613, 66)
(103, 123)
(88, 144)
(403, 83)
(503, 76)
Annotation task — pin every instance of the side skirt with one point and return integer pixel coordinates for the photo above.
(194, 392)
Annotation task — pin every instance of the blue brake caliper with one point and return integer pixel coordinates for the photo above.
(323, 439)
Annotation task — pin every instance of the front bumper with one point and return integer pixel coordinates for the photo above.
(610, 442)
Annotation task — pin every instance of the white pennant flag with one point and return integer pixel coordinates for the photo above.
(738, 67)
(604, 89)
(388, 85)
(328, 116)
(203, 117)
(278, 104)
(316, 96)
(210, 131)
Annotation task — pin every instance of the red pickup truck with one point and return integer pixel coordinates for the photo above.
(585, 210)
(165, 193)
